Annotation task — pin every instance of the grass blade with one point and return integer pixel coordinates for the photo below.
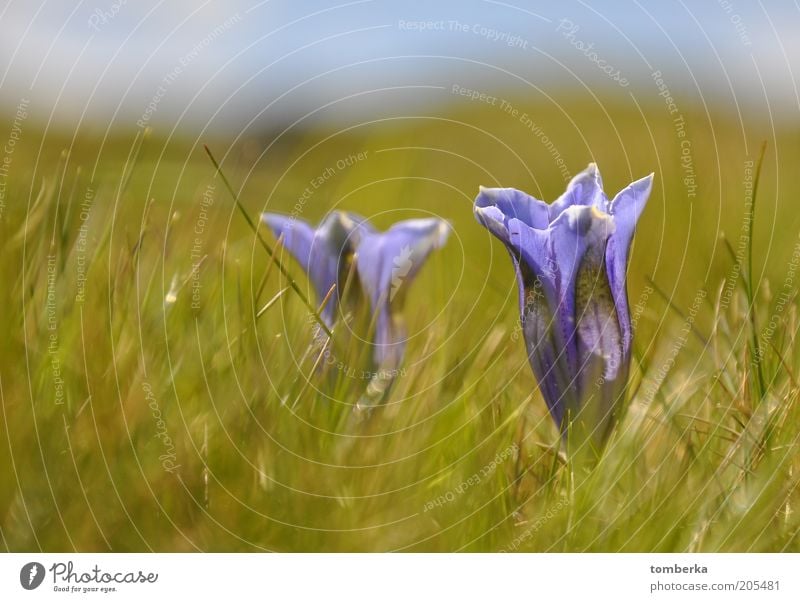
(266, 246)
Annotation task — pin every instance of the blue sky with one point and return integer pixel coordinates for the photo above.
(243, 64)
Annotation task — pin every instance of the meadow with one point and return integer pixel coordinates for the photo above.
(159, 393)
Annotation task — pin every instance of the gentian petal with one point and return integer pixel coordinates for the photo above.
(519, 221)
(603, 370)
(586, 188)
(335, 244)
(323, 253)
(342, 230)
(546, 327)
(625, 209)
(513, 203)
(533, 247)
(297, 235)
(578, 230)
(387, 262)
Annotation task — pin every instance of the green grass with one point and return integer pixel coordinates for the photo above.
(258, 451)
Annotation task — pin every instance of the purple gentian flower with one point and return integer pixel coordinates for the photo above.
(386, 263)
(570, 258)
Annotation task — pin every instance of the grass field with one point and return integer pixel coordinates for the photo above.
(147, 407)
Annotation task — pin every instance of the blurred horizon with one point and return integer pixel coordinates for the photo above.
(259, 66)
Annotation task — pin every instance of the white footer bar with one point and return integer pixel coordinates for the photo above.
(401, 577)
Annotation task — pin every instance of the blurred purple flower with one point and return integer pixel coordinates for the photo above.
(386, 264)
(570, 259)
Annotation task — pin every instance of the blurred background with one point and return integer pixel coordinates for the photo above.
(242, 66)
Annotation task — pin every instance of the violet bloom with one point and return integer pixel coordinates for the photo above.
(570, 258)
(386, 264)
